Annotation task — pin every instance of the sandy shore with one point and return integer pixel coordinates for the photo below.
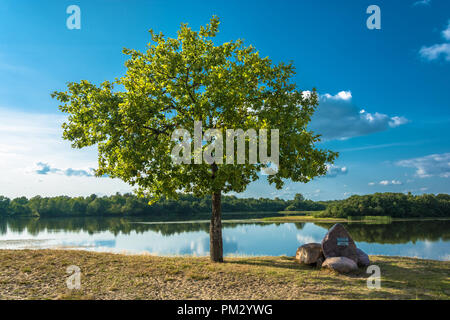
(41, 274)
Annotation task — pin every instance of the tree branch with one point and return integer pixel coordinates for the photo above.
(158, 131)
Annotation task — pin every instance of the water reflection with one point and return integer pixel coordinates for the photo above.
(425, 239)
(398, 231)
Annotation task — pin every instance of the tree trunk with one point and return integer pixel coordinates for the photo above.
(215, 229)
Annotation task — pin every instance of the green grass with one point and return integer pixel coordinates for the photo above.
(295, 212)
(381, 219)
(41, 274)
(313, 216)
(302, 218)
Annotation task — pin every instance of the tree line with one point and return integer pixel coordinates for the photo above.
(131, 205)
(395, 205)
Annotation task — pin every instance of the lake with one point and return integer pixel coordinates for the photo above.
(422, 239)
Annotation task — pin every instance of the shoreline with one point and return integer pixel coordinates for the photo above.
(291, 219)
(41, 274)
(146, 253)
(313, 219)
(282, 218)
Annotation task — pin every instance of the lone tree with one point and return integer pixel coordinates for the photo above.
(181, 80)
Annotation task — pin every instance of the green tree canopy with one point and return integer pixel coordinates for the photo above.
(175, 82)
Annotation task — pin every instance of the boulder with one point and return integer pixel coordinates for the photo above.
(309, 253)
(363, 258)
(338, 243)
(319, 261)
(340, 264)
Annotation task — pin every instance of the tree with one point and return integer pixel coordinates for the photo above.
(181, 80)
(19, 207)
(4, 206)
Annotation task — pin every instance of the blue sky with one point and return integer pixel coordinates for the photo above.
(385, 94)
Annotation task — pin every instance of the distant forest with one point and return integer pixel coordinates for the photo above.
(395, 205)
(131, 205)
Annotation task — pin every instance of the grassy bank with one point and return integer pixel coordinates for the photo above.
(301, 218)
(41, 274)
(311, 218)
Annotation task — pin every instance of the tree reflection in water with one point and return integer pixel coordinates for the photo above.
(393, 233)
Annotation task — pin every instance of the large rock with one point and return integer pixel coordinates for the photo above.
(363, 258)
(338, 243)
(309, 253)
(340, 264)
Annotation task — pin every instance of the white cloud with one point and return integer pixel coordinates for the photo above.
(389, 182)
(435, 51)
(446, 32)
(397, 121)
(422, 3)
(338, 118)
(342, 95)
(429, 166)
(333, 170)
(42, 168)
(386, 183)
(29, 142)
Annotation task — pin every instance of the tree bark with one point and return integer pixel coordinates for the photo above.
(215, 227)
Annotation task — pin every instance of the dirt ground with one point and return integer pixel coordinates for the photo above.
(41, 274)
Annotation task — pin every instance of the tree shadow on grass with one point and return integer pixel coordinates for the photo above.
(289, 263)
(281, 262)
(397, 282)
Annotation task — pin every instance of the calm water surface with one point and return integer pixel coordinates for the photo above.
(422, 239)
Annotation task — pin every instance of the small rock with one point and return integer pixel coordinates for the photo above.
(363, 258)
(338, 243)
(309, 253)
(340, 264)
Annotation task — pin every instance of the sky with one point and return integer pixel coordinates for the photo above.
(384, 93)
